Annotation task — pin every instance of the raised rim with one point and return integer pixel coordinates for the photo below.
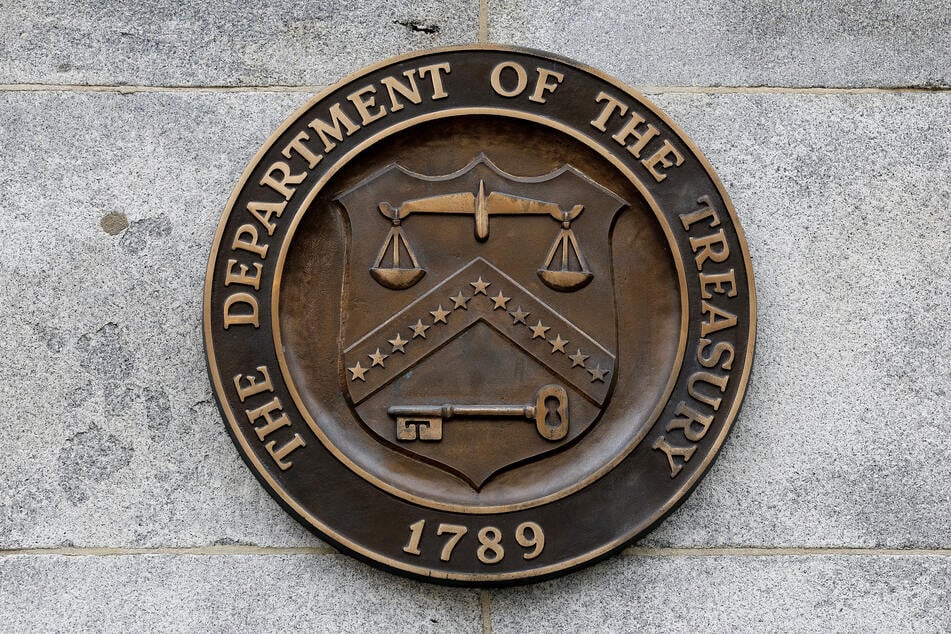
(420, 571)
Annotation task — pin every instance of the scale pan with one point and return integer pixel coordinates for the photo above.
(565, 280)
(397, 279)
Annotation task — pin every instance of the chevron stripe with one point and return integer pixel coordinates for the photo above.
(478, 292)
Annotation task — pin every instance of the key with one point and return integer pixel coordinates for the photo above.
(549, 411)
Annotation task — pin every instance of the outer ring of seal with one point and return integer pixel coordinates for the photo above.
(238, 429)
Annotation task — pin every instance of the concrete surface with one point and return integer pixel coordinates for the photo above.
(220, 43)
(191, 593)
(844, 43)
(737, 594)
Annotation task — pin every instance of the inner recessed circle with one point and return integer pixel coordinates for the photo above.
(320, 315)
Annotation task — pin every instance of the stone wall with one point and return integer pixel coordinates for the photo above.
(124, 127)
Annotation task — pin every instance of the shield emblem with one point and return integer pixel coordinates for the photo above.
(461, 290)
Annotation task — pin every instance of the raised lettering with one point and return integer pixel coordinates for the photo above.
(706, 211)
(670, 451)
(713, 359)
(410, 92)
(692, 418)
(242, 277)
(433, 71)
(251, 245)
(630, 129)
(521, 79)
(297, 145)
(711, 379)
(717, 320)
(254, 384)
(718, 280)
(705, 245)
(663, 156)
(279, 453)
(271, 424)
(323, 129)
(245, 318)
(363, 104)
(610, 107)
(263, 211)
(281, 186)
(542, 86)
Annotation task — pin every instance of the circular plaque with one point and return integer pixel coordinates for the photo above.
(479, 314)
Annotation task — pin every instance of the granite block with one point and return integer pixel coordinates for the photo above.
(113, 437)
(220, 43)
(111, 206)
(737, 594)
(841, 43)
(842, 439)
(203, 593)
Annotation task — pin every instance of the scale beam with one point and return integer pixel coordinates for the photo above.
(480, 205)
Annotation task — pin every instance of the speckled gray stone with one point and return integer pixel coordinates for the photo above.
(746, 43)
(843, 436)
(225, 42)
(859, 594)
(189, 593)
(112, 437)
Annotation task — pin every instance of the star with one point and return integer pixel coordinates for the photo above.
(500, 301)
(419, 329)
(598, 374)
(558, 345)
(377, 358)
(519, 315)
(480, 286)
(578, 358)
(398, 344)
(358, 372)
(459, 301)
(439, 315)
(539, 331)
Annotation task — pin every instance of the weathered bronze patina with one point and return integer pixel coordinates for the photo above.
(479, 315)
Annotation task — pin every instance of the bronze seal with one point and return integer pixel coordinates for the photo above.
(479, 314)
